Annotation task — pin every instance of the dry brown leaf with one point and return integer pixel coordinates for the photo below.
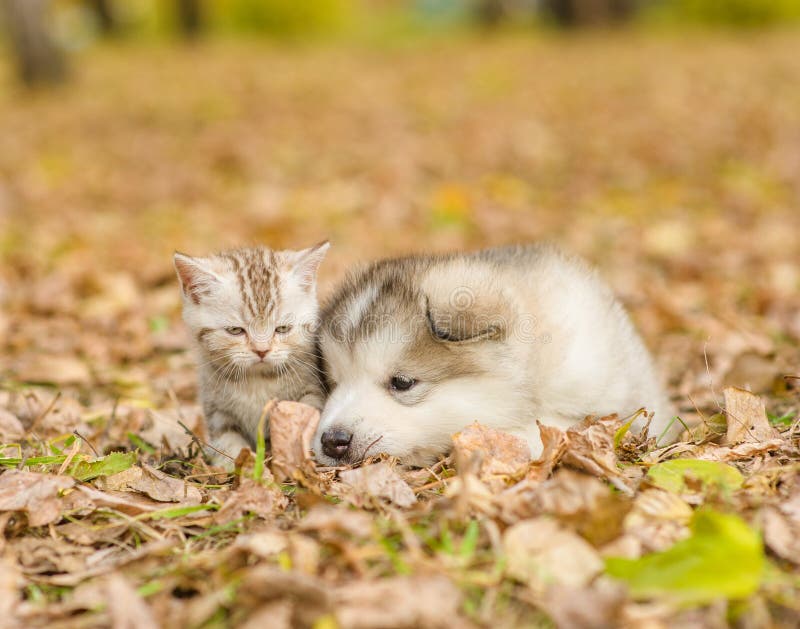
(63, 370)
(329, 522)
(554, 444)
(153, 483)
(781, 535)
(86, 499)
(38, 495)
(658, 519)
(584, 503)
(541, 553)
(427, 602)
(596, 607)
(590, 446)
(267, 584)
(502, 457)
(263, 500)
(363, 485)
(291, 429)
(747, 418)
(277, 615)
(10, 584)
(127, 609)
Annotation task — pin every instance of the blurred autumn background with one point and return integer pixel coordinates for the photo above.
(658, 138)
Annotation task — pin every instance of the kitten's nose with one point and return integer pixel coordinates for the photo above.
(336, 442)
(261, 354)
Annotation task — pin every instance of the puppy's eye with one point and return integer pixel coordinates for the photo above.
(235, 331)
(283, 329)
(401, 383)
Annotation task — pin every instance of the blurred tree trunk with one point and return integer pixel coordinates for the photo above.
(104, 12)
(190, 17)
(39, 60)
(570, 13)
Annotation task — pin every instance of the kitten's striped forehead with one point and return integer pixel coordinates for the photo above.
(257, 272)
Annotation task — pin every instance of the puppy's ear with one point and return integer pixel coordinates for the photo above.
(467, 320)
(305, 263)
(195, 276)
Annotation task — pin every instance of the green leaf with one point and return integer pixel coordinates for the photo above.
(178, 512)
(671, 475)
(106, 466)
(784, 420)
(723, 558)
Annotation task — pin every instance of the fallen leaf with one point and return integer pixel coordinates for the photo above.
(399, 602)
(268, 584)
(658, 519)
(747, 418)
(781, 534)
(329, 521)
(104, 466)
(502, 457)
(590, 447)
(54, 369)
(153, 483)
(554, 444)
(38, 495)
(291, 429)
(596, 607)
(677, 475)
(540, 552)
(127, 609)
(361, 486)
(263, 500)
(10, 582)
(723, 558)
(277, 615)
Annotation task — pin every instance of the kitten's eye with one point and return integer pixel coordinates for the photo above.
(235, 331)
(283, 329)
(401, 383)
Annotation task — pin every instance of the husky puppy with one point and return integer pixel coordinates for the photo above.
(415, 349)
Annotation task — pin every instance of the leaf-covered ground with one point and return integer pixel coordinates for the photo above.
(672, 163)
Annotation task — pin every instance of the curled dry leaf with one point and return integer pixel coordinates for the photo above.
(590, 448)
(554, 444)
(38, 495)
(747, 418)
(291, 429)
(153, 483)
(541, 553)
(363, 485)
(263, 500)
(502, 457)
(422, 601)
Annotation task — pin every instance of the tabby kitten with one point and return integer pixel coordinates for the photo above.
(253, 316)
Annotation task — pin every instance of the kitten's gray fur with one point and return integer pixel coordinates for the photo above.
(253, 315)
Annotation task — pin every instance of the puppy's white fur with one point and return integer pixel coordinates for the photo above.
(531, 334)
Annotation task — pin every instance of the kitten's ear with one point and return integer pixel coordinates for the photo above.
(194, 275)
(306, 262)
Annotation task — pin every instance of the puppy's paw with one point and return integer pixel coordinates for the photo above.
(225, 448)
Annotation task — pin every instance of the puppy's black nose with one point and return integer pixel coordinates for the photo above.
(336, 442)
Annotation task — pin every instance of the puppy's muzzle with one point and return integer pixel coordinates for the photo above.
(336, 443)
